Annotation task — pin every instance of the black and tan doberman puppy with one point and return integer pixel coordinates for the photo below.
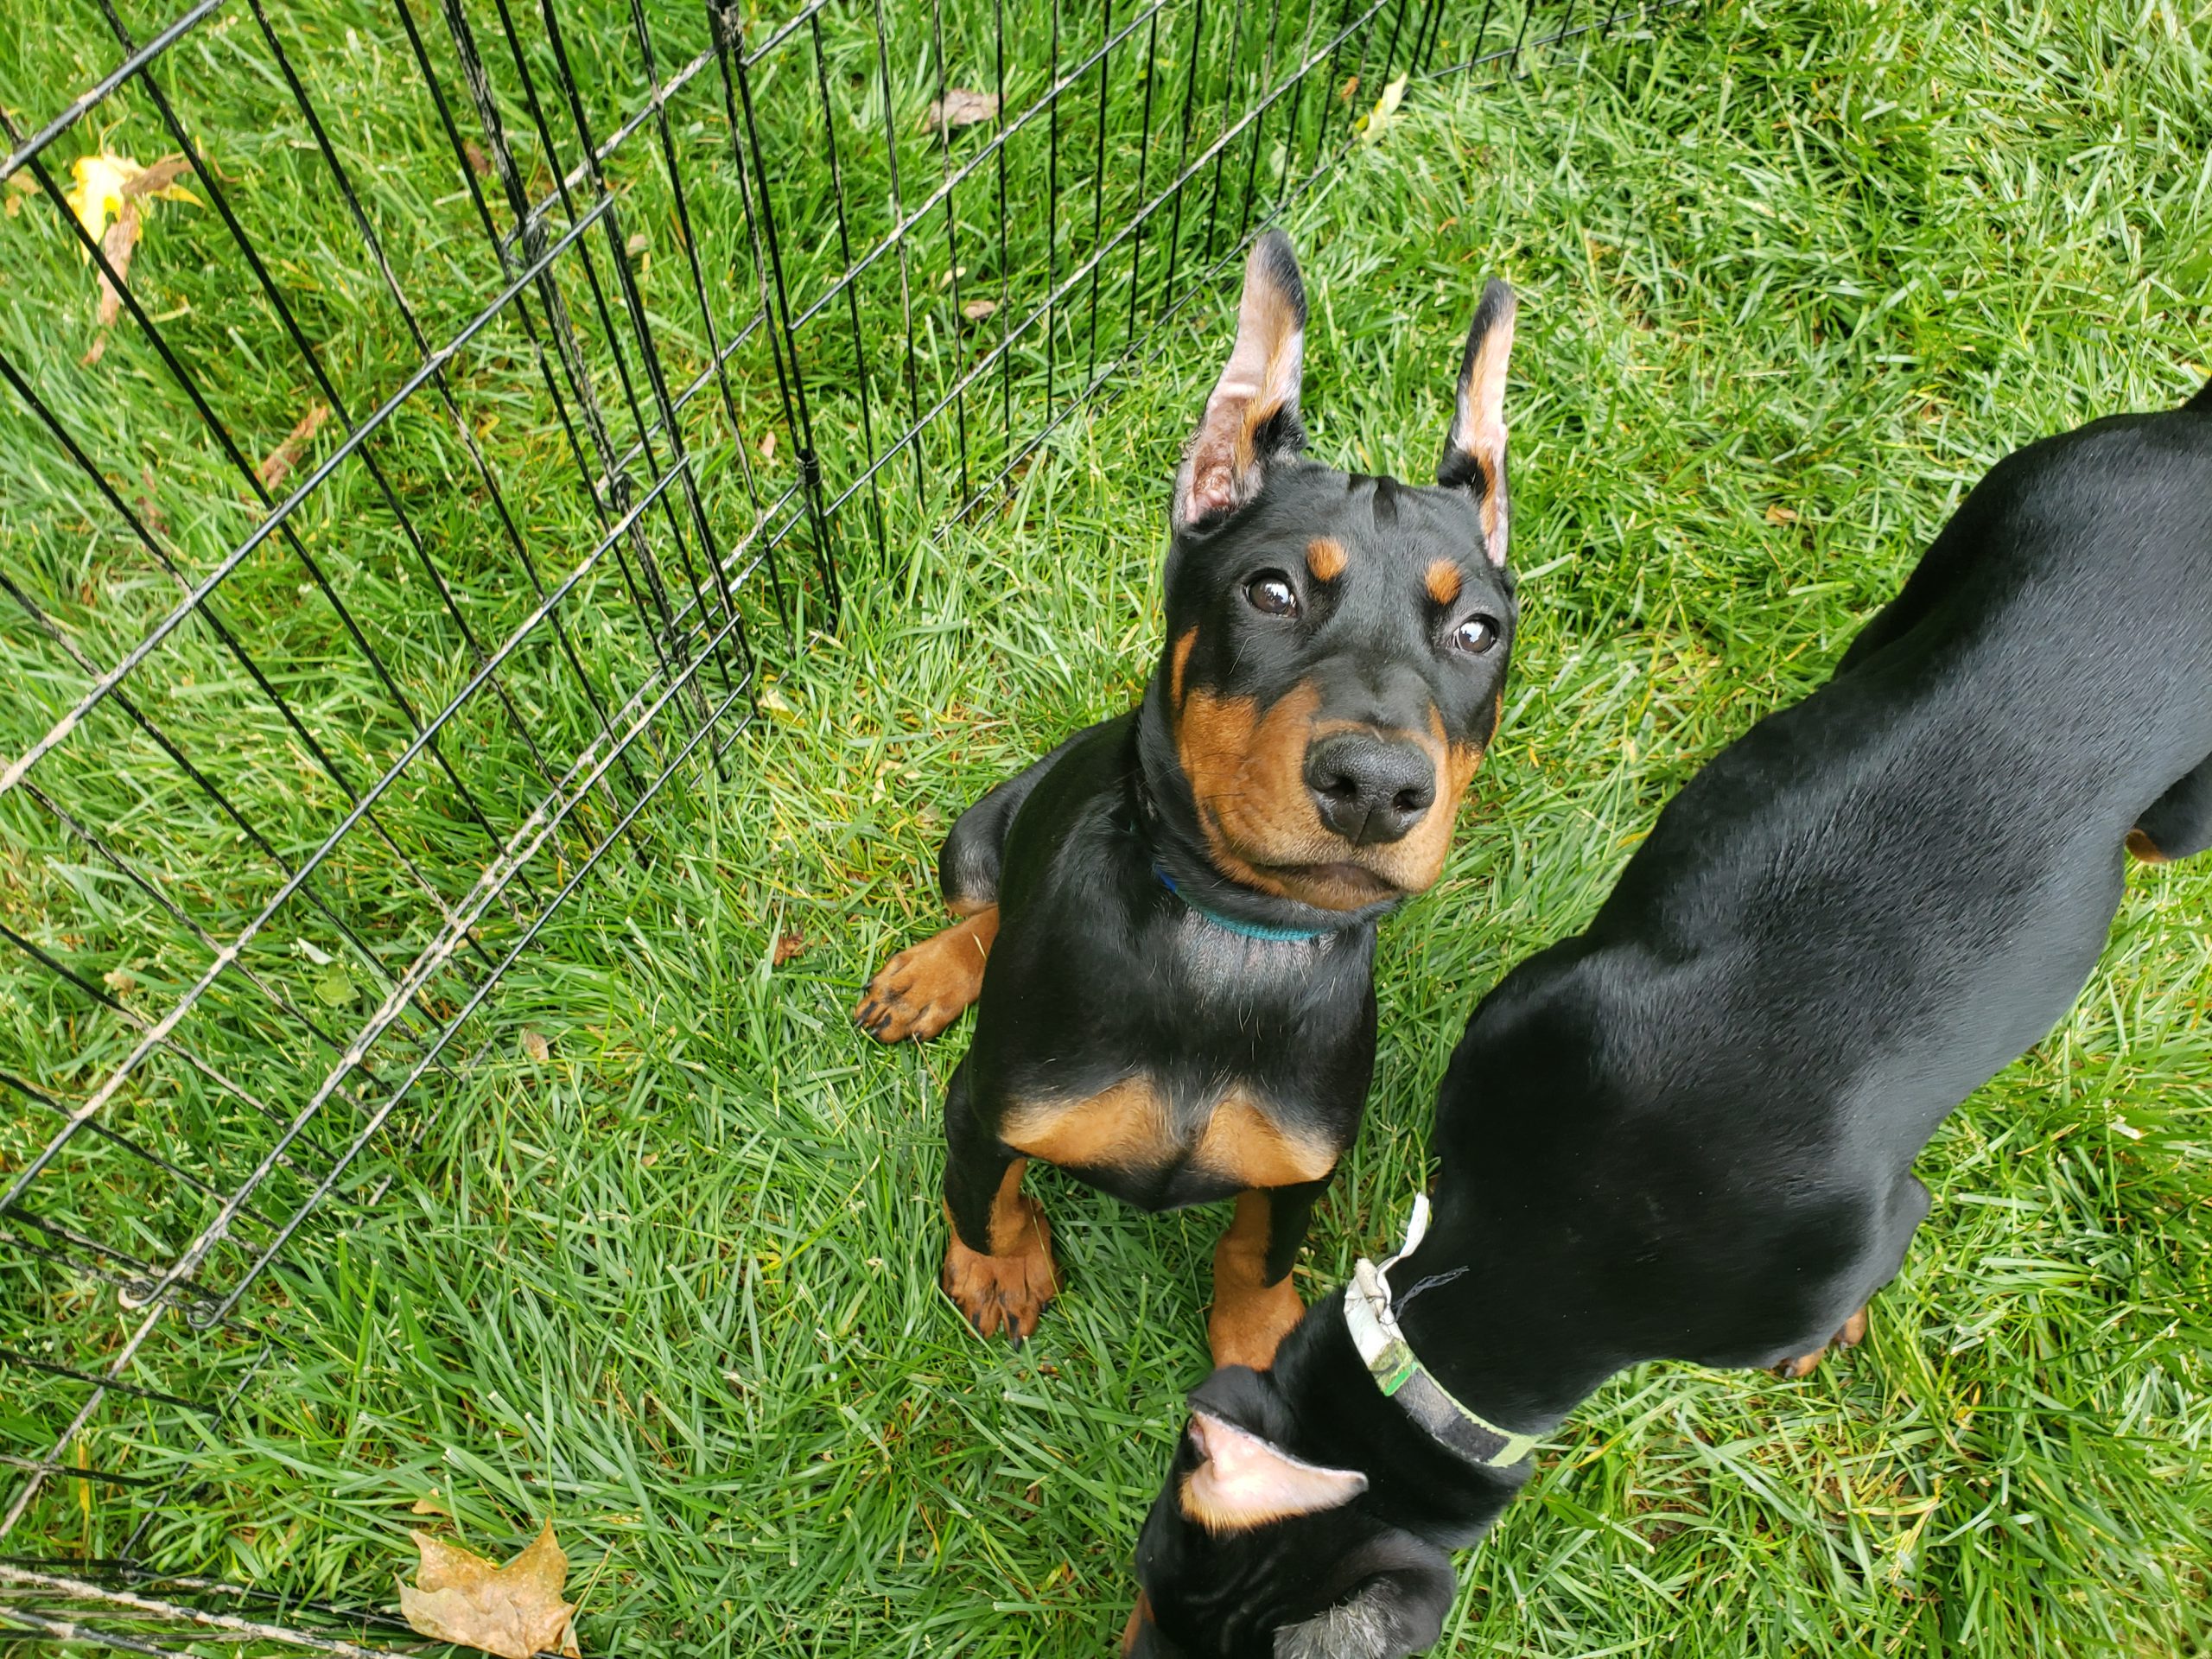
(1170, 918)
(1689, 1132)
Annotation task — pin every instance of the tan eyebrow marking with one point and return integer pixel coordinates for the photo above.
(1326, 558)
(1443, 581)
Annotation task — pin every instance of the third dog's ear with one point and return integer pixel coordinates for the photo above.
(1474, 451)
(1252, 416)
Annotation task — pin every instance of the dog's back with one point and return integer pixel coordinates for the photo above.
(1862, 910)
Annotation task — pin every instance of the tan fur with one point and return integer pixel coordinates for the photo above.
(1853, 1333)
(1442, 581)
(1125, 1127)
(922, 990)
(1246, 772)
(1177, 666)
(1250, 1317)
(1008, 1288)
(1479, 427)
(1140, 1616)
(1326, 558)
(1244, 1142)
(2144, 848)
(1243, 1482)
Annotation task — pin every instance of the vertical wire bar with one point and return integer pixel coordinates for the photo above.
(951, 238)
(649, 360)
(1052, 215)
(619, 256)
(1183, 153)
(1144, 156)
(251, 478)
(795, 411)
(851, 287)
(1098, 192)
(440, 383)
(1006, 315)
(609, 488)
(899, 217)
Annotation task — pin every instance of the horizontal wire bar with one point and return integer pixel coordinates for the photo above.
(553, 904)
(31, 147)
(159, 1031)
(112, 1384)
(966, 169)
(984, 364)
(124, 1601)
(14, 772)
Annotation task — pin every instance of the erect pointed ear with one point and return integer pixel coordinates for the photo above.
(1243, 1481)
(1252, 416)
(1474, 451)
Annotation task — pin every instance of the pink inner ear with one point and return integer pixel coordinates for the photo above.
(1260, 377)
(1246, 1482)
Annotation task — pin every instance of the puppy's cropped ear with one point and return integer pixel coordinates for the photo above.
(1391, 1614)
(1474, 451)
(1252, 416)
(1243, 1481)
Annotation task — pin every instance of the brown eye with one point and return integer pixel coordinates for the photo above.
(1271, 594)
(1475, 635)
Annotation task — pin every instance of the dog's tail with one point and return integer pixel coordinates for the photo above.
(2203, 401)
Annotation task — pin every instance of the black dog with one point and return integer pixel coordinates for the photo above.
(1177, 907)
(1689, 1132)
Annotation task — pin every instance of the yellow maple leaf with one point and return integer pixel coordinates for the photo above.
(104, 182)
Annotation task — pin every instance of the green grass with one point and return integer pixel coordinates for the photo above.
(1791, 279)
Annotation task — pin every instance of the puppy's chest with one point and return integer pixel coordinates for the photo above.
(1235, 1137)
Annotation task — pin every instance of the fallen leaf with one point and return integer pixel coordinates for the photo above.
(1779, 514)
(1344, 91)
(428, 1504)
(534, 1045)
(119, 980)
(514, 1611)
(110, 188)
(769, 447)
(776, 703)
(479, 163)
(19, 185)
(334, 986)
(976, 310)
(789, 945)
(276, 465)
(959, 108)
(1372, 123)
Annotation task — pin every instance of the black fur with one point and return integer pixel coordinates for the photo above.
(1689, 1132)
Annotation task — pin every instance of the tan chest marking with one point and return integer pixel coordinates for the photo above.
(1129, 1127)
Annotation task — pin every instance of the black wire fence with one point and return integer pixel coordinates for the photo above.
(406, 475)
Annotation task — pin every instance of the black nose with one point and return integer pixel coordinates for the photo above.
(1369, 789)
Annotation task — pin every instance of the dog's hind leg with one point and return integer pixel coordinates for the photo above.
(1908, 1207)
(998, 1268)
(2179, 823)
(1255, 1305)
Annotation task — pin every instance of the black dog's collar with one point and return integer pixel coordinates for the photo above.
(1249, 930)
(1390, 1361)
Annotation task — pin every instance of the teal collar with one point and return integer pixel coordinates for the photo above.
(1248, 930)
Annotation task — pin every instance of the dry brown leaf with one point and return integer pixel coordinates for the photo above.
(976, 310)
(769, 447)
(276, 465)
(429, 1504)
(160, 179)
(960, 108)
(119, 980)
(479, 163)
(789, 945)
(1778, 514)
(535, 1044)
(514, 1611)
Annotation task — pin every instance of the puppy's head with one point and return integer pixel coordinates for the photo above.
(1337, 644)
(1253, 1550)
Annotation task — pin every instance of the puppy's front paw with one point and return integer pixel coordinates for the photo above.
(1853, 1333)
(922, 989)
(1005, 1293)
